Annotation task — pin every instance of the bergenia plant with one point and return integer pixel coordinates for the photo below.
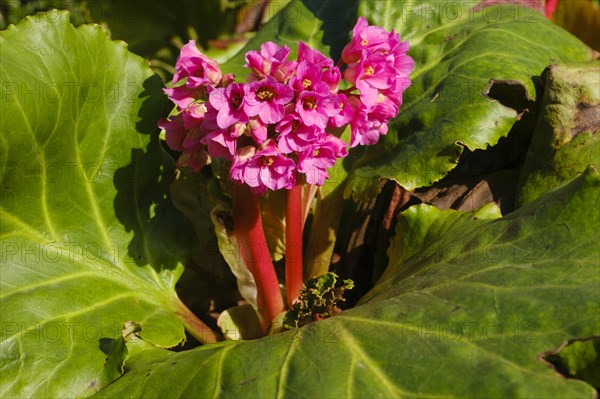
(280, 129)
(465, 234)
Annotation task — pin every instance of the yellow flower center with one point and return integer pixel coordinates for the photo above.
(265, 93)
(267, 161)
(310, 103)
(307, 83)
(316, 153)
(365, 42)
(369, 71)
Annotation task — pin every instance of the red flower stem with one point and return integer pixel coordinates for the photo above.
(294, 221)
(252, 247)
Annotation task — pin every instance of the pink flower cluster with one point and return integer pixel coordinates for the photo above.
(281, 123)
(379, 68)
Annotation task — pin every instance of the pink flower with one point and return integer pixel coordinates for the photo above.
(385, 110)
(332, 77)
(367, 131)
(307, 76)
(266, 98)
(294, 136)
(318, 157)
(306, 53)
(229, 102)
(184, 133)
(240, 163)
(194, 74)
(194, 153)
(390, 99)
(178, 127)
(221, 143)
(285, 71)
(174, 131)
(258, 130)
(371, 74)
(366, 128)
(199, 73)
(365, 37)
(400, 62)
(193, 115)
(271, 61)
(345, 112)
(317, 106)
(183, 96)
(196, 67)
(210, 118)
(263, 169)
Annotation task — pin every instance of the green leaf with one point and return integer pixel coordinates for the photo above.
(566, 137)
(89, 238)
(117, 352)
(472, 297)
(240, 322)
(272, 208)
(579, 359)
(229, 249)
(463, 61)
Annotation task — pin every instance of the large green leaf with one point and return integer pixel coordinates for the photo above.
(465, 309)
(566, 137)
(89, 240)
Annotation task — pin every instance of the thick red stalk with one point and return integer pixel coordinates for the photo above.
(294, 221)
(252, 247)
